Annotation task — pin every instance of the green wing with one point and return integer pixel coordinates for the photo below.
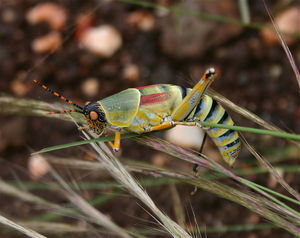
(121, 108)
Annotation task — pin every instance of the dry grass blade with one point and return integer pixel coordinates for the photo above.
(251, 116)
(177, 207)
(25, 196)
(10, 190)
(117, 170)
(245, 113)
(10, 105)
(272, 171)
(244, 10)
(262, 205)
(284, 45)
(266, 206)
(89, 210)
(24, 230)
(256, 203)
(18, 106)
(55, 227)
(74, 163)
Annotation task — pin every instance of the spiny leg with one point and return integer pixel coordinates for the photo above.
(193, 98)
(196, 166)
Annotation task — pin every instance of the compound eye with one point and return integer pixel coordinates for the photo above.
(93, 115)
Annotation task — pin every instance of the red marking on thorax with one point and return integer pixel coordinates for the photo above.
(147, 86)
(155, 98)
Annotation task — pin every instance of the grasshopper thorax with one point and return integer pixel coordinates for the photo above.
(95, 117)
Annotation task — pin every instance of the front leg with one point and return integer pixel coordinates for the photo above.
(117, 142)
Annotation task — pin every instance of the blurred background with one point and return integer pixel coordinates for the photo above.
(87, 50)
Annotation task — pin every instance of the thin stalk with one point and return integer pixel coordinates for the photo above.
(254, 130)
(257, 188)
(23, 229)
(244, 10)
(117, 170)
(204, 124)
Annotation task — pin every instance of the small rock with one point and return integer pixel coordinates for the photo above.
(189, 36)
(12, 133)
(20, 87)
(47, 43)
(283, 103)
(83, 23)
(8, 16)
(288, 22)
(38, 167)
(142, 19)
(253, 218)
(131, 72)
(252, 235)
(90, 87)
(276, 71)
(104, 40)
(51, 13)
(159, 159)
(185, 136)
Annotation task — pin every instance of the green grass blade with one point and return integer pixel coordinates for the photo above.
(83, 142)
(257, 186)
(254, 130)
(205, 124)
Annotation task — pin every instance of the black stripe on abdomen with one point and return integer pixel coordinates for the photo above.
(183, 92)
(212, 109)
(233, 143)
(226, 134)
(223, 118)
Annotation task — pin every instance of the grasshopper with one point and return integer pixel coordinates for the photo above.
(158, 107)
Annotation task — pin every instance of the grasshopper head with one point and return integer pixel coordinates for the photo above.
(95, 117)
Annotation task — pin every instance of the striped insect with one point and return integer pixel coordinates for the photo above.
(157, 107)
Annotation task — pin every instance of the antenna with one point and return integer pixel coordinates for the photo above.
(64, 111)
(56, 94)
